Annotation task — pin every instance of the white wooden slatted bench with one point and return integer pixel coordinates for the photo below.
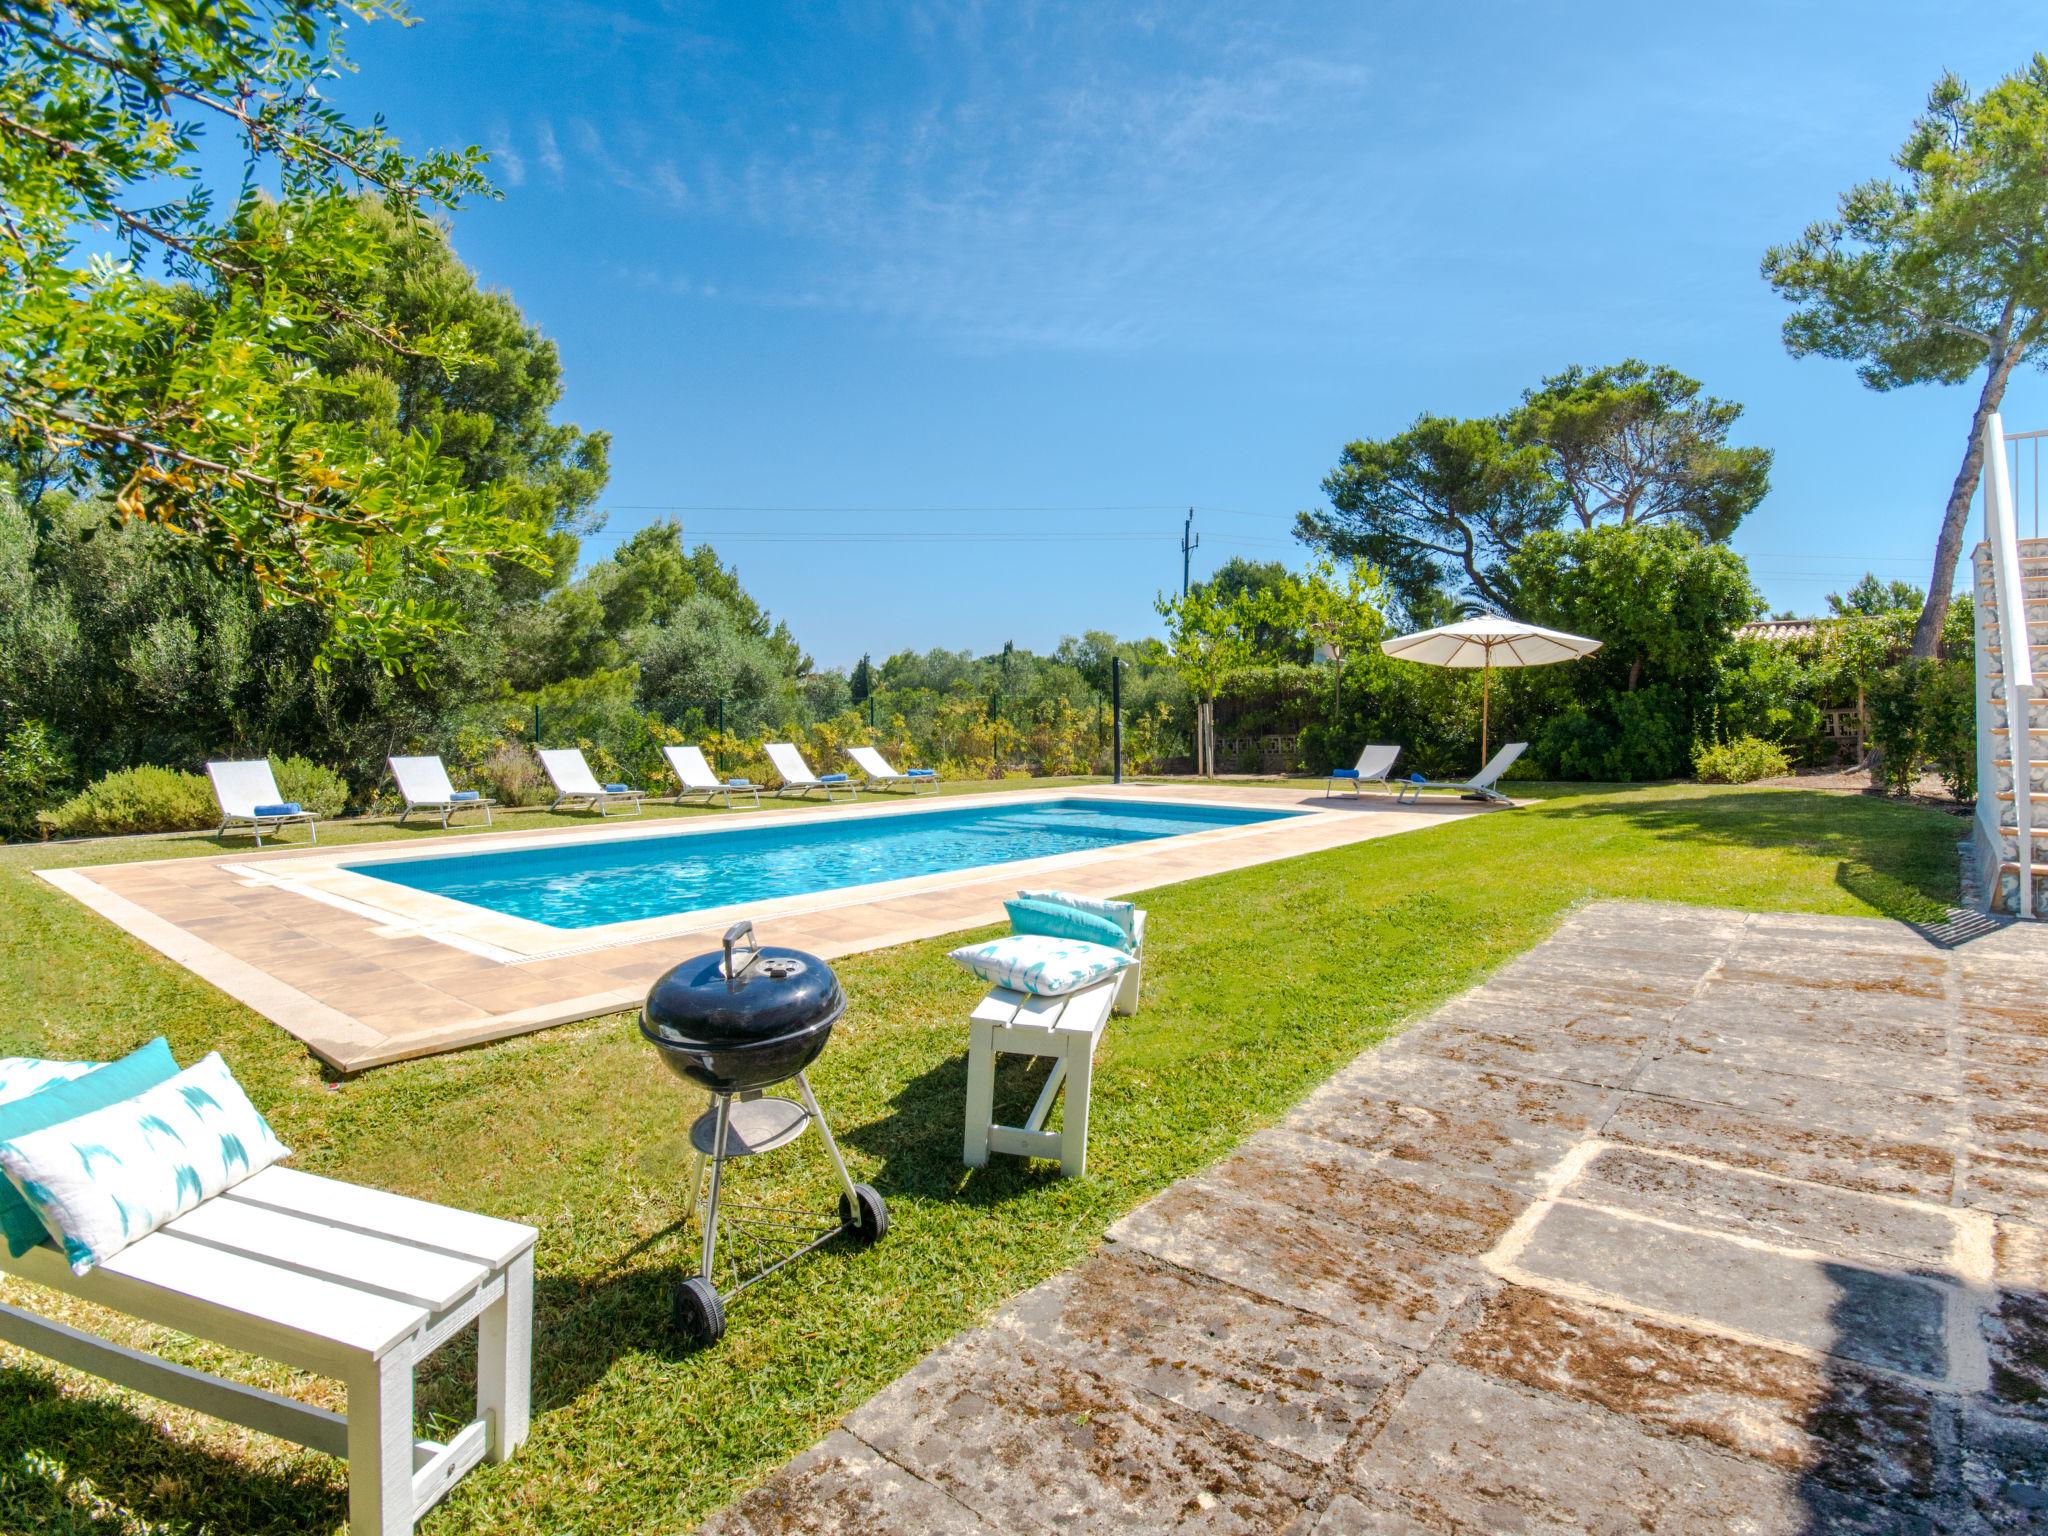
(1011, 1023)
(328, 1277)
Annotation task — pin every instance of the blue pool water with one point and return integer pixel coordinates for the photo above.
(584, 885)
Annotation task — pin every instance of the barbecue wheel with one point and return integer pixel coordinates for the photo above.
(873, 1219)
(697, 1312)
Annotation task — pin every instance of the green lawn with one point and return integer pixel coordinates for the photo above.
(1258, 985)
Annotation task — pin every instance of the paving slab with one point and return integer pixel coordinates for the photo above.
(1466, 1452)
(842, 1487)
(1880, 1164)
(1828, 1104)
(1891, 1320)
(1024, 1436)
(1786, 1212)
(1861, 1430)
(1420, 1203)
(1289, 1378)
(1688, 1222)
(1379, 1287)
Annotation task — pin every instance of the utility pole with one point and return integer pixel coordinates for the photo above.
(1190, 541)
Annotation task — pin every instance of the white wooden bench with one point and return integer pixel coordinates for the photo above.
(1018, 1024)
(332, 1278)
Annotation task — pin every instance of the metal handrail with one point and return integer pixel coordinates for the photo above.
(2017, 660)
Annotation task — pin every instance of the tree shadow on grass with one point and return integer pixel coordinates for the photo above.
(1898, 860)
(86, 1465)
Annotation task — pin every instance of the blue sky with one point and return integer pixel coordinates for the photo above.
(933, 319)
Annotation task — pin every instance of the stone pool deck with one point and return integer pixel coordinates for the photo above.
(367, 972)
(1686, 1222)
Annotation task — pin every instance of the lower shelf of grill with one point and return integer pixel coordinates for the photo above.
(754, 1125)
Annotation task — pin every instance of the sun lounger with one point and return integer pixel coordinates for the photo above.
(694, 773)
(332, 1278)
(1374, 764)
(793, 772)
(247, 792)
(423, 784)
(573, 780)
(1480, 785)
(878, 773)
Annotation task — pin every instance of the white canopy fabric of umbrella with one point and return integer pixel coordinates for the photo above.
(1487, 643)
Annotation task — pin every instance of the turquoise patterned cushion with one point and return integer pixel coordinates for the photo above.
(1060, 922)
(1122, 913)
(65, 1100)
(21, 1076)
(1042, 966)
(103, 1180)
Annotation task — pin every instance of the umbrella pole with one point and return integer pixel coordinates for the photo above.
(1485, 703)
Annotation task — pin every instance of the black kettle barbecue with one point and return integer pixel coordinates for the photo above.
(739, 1023)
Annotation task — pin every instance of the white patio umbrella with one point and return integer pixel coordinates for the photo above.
(1487, 643)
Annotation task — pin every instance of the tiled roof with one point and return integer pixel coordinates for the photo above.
(1783, 629)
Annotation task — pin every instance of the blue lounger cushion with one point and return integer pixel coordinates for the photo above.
(464, 794)
(920, 773)
(1343, 773)
(617, 789)
(137, 1072)
(282, 808)
(832, 778)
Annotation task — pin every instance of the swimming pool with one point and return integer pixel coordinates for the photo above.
(590, 884)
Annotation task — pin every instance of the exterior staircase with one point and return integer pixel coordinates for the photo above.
(2011, 576)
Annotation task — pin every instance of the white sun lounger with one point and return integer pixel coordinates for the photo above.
(1009, 1023)
(332, 1278)
(1480, 784)
(1374, 764)
(573, 780)
(694, 773)
(793, 772)
(423, 784)
(243, 790)
(878, 773)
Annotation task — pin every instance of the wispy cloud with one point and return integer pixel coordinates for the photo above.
(510, 164)
(546, 150)
(1041, 178)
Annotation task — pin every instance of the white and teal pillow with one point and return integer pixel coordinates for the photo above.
(21, 1076)
(1123, 913)
(1057, 921)
(1040, 964)
(104, 1179)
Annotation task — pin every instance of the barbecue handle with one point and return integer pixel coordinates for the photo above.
(741, 929)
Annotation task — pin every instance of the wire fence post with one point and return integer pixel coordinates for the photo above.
(1116, 719)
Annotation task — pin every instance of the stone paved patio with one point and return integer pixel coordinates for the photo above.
(1688, 1221)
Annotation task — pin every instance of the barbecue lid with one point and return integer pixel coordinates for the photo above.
(746, 994)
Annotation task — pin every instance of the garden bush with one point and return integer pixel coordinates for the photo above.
(1740, 761)
(145, 799)
(1923, 714)
(319, 790)
(33, 769)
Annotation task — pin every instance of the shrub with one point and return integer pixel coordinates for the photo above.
(1897, 729)
(511, 775)
(320, 790)
(1924, 714)
(33, 768)
(1741, 761)
(142, 799)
